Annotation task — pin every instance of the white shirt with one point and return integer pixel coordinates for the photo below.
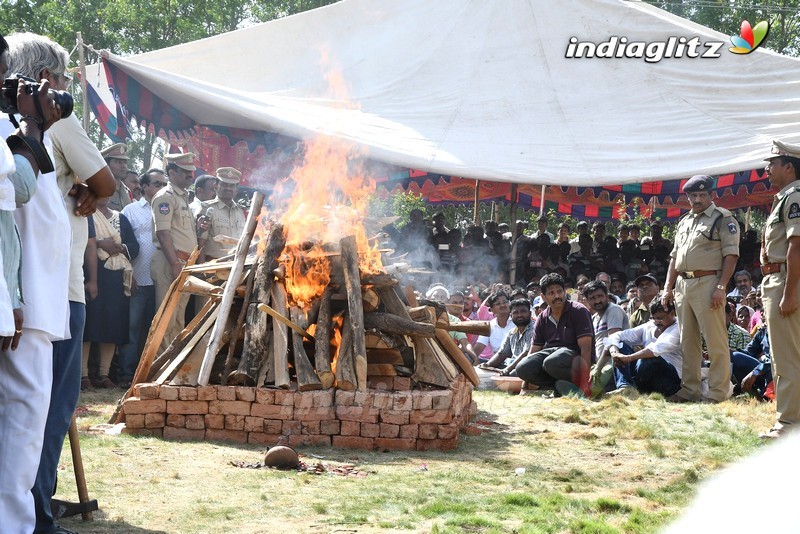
(140, 215)
(667, 345)
(496, 336)
(7, 203)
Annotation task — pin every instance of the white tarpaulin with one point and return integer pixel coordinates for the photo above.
(482, 88)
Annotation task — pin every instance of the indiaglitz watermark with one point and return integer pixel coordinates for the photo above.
(651, 52)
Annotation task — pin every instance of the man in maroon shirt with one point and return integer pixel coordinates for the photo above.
(563, 341)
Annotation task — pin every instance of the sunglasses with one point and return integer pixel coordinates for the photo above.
(158, 184)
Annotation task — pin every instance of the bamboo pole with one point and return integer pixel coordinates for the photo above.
(229, 293)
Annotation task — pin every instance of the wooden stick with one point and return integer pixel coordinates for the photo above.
(280, 337)
(322, 346)
(230, 288)
(275, 314)
(239, 324)
(195, 286)
(482, 328)
(393, 324)
(168, 372)
(458, 357)
(77, 466)
(352, 280)
(307, 379)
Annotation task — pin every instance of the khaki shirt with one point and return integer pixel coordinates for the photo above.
(777, 233)
(701, 245)
(225, 220)
(171, 212)
(120, 198)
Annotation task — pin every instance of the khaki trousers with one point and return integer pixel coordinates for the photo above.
(784, 342)
(695, 316)
(161, 272)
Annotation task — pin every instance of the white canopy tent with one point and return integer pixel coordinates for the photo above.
(483, 89)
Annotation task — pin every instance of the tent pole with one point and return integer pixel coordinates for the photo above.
(747, 220)
(512, 275)
(82, 69)
(476, 217)
(541, 206)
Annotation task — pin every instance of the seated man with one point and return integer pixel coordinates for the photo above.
(517, 342)
(752, 367)
(486, 346)
(563, 341)
(657, 367)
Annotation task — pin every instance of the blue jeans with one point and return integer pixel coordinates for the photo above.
(649, 375)
(142, 309)
(63, 401)
(742, 364)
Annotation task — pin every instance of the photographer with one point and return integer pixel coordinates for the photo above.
(81, 176)
(44, 233)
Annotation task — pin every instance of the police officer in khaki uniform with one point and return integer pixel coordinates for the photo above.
(780, 264)
(225, 217)
(116, 157)
(175, 235)
(703, 260)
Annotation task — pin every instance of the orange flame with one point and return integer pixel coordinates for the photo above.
(336, 342)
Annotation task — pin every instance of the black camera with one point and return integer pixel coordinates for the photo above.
(8, 95)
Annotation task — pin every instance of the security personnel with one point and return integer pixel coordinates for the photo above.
(225, 217)
(175, 235)
(116, 157)
(703, 260)
(780, 265)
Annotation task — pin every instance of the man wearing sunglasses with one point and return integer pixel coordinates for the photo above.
(143, 298)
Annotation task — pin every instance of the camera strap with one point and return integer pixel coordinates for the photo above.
(36, 148)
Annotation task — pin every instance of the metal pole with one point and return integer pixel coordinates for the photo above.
(541, 206)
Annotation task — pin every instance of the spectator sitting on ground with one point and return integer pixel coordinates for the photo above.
(538, 306)
(517, 342)
(583, 229)
(617, 287)
(751, 367)
(563, 342)
(608, 318)
(486, 346)
(647, 289)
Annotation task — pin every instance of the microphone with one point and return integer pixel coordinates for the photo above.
(209, 213)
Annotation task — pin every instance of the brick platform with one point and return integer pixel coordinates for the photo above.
(375, 419)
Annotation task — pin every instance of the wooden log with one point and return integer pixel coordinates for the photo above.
(379, 340)
(481, 328)
(155, 335)
(411, 297)
(257, 331)
(352, 280)
(230, 288)
(422, 314)
(322, 344)
(248, 291)
(189, 371)
(345, 363)
(378, 280)
(455, 309)
(168, 371)
(370, 299)
(390, 356)
(307, 379)
(280, 338)
(381, 369)
(278, 316)
(393, 324)
(457, 356)
(196, 286)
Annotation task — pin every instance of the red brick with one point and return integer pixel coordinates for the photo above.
(422, 400)
(155, 432)
(177, 421)
(309, 427)
(284, 397)
(168, 392)
(437, 444)
(273, 426)
(135, 390)
(323, 399)
(431, 416)
(183, 433)
(195, 422)
(229, 407)
(309, 440)
(350, 428)
(428, 431)
(254, 424)
(188, 407)
(134, 406)
(441, 400)
(362, 398)
(330, 427)
(234, 422)
(382, 400)
(134, 420)
(344, 398)
(154, 420)
(238, 436)
(380, 383)
(370, 430)
(303, 399)
(409, 431)
(403, 401)
(245, 394)
(291, 427)
(448, 432)
(402, 383)
(395, 444)
(265, 396)
(353, 442)
(272, 411)
(264, 439)
(389, 431)
(314, 413)
(357, 413)
(207, 393)
(214, 421)
(187, 393)
(226, 393)
(147, 391)
(394, 417)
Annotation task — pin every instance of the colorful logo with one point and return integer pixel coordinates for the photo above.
(749, 38)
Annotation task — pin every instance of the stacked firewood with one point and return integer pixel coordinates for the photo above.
(361, 330)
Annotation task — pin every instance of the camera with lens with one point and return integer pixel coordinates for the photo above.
(8, 95)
